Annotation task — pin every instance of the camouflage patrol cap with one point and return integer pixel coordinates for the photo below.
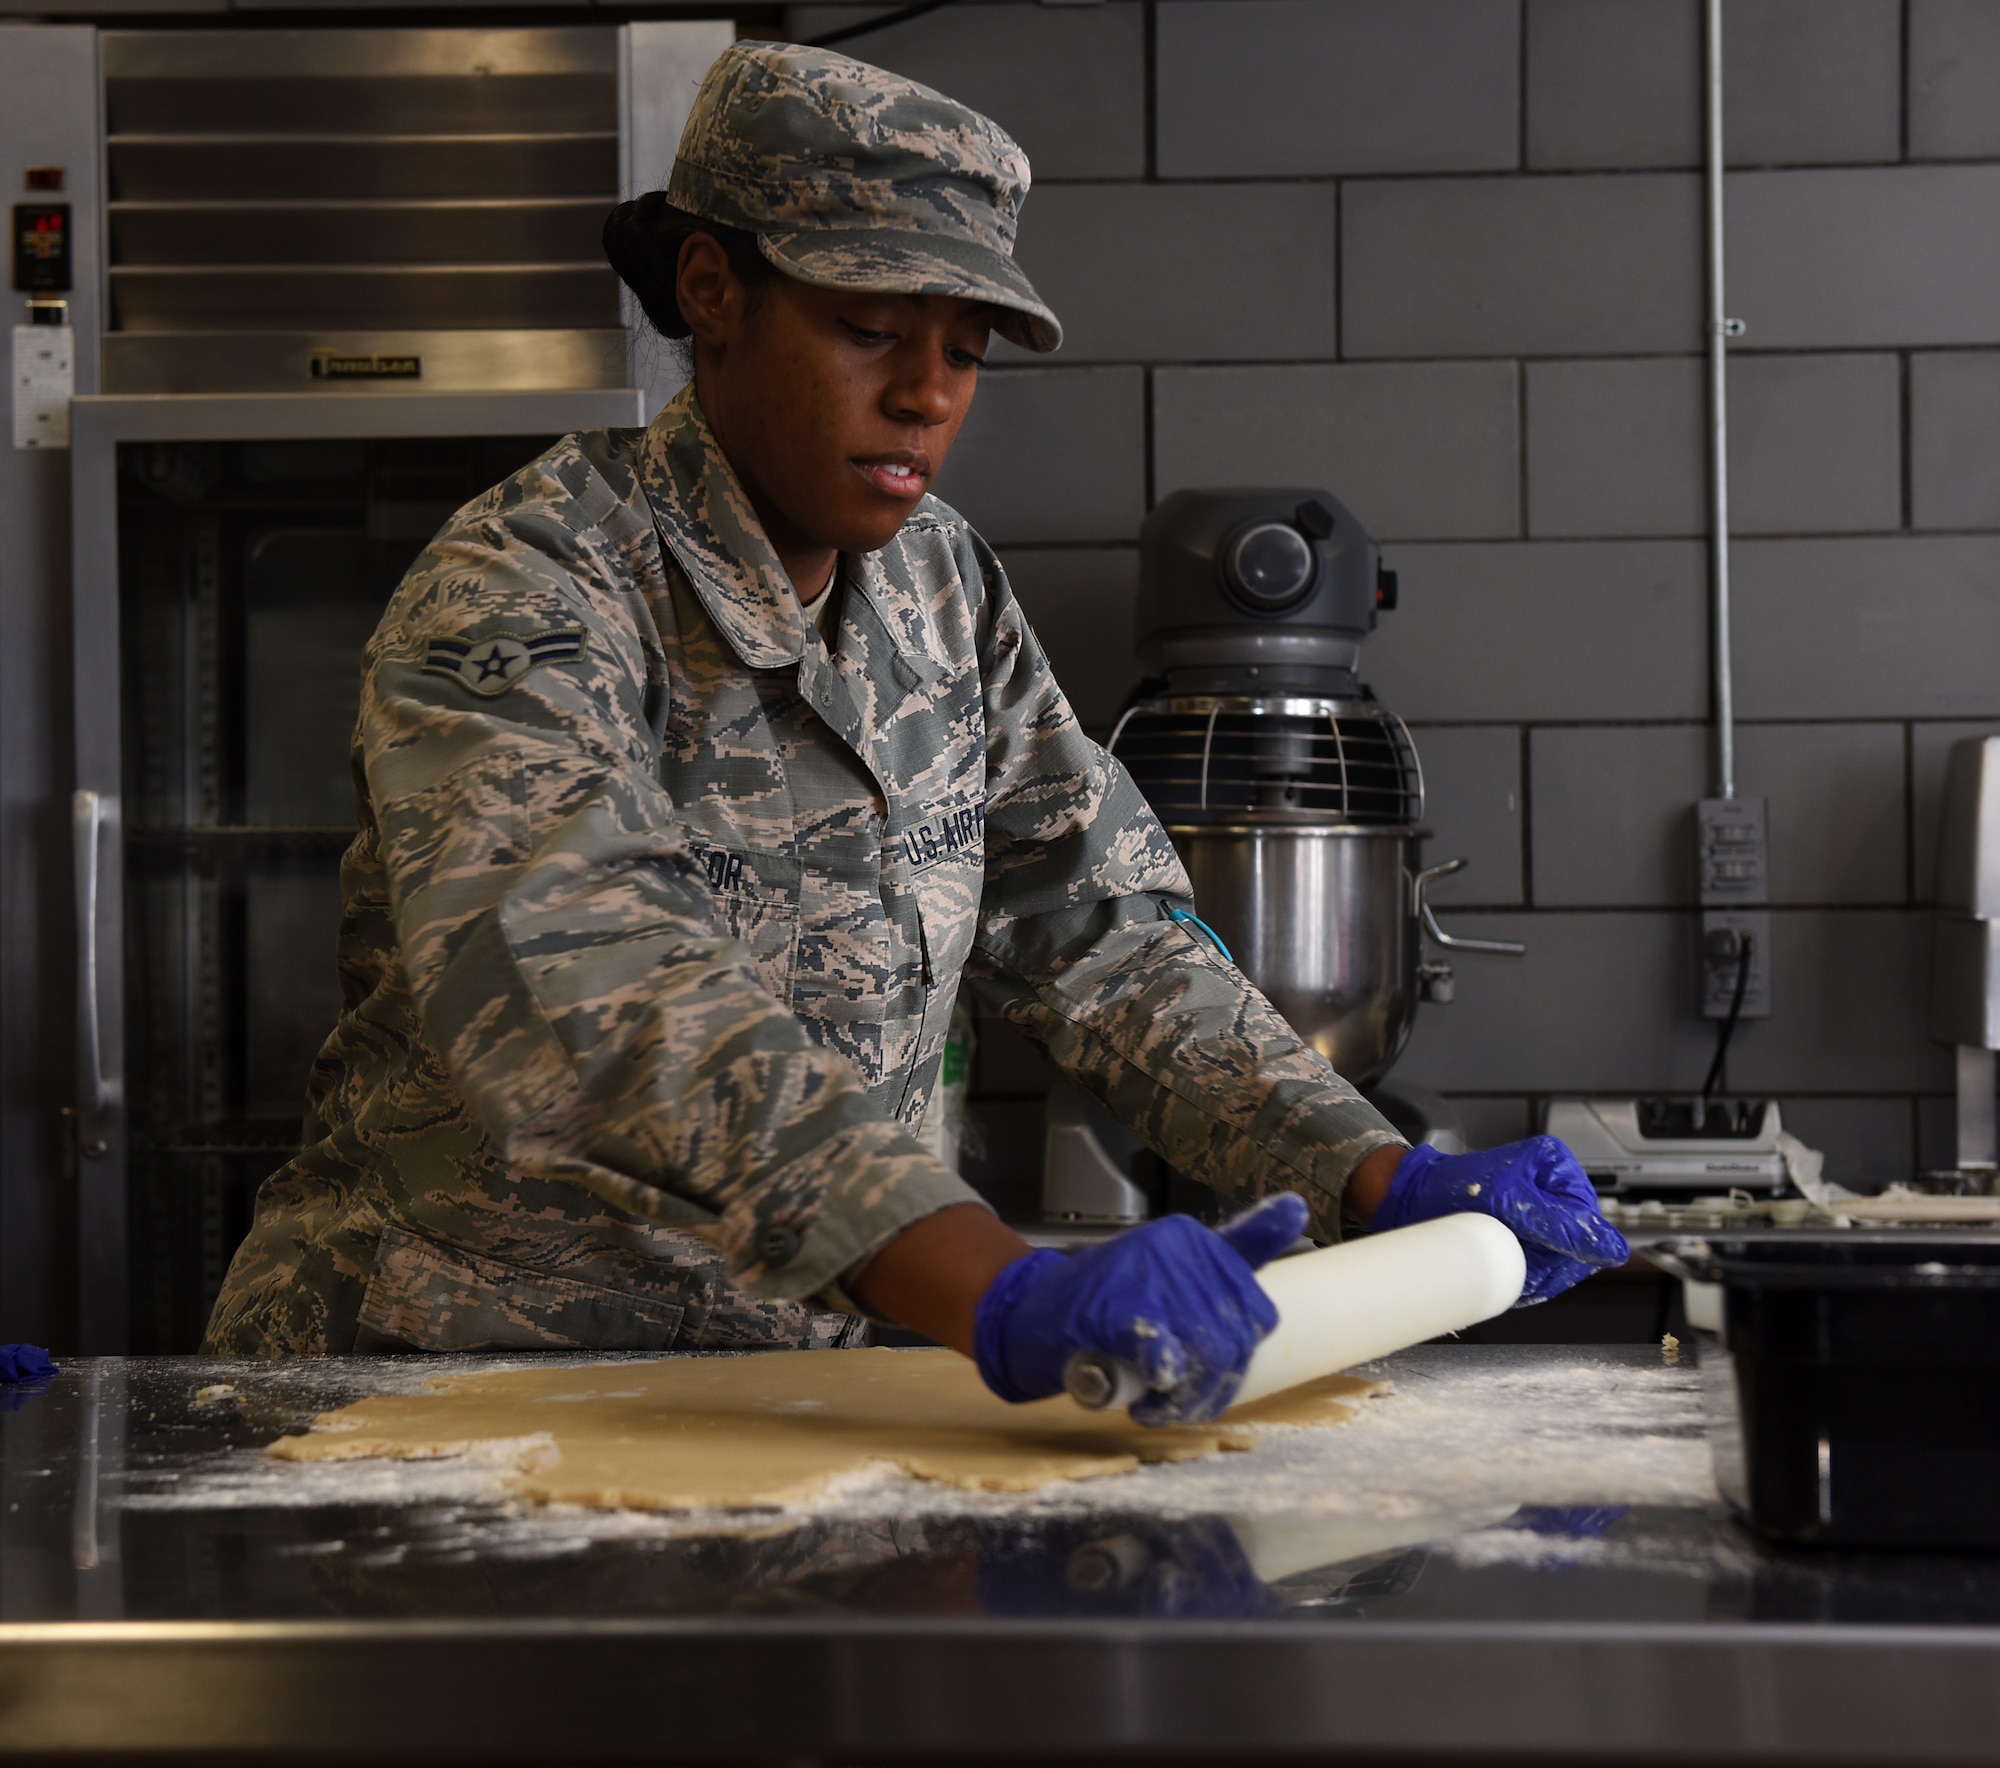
(854, 178)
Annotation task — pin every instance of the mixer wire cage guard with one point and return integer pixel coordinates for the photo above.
(1200, 759)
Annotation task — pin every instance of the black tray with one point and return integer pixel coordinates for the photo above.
(1859, 1404)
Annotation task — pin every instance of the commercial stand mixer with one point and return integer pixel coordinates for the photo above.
(1294, 798)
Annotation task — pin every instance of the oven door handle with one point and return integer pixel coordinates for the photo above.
(92, 816)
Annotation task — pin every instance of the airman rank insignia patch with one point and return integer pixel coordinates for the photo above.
(493, 664)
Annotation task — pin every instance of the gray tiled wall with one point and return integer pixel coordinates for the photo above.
(1079, 601)
(1810, 82)
(1443, 257)
(1954, 72)
(1531, 631)
(1360, 427)
(1955, 438)
(1618, 445)
(1583, 266)
(1229, 272)
(1473, 793)
(1313, 88)
(1053, 455)
(1866, 256)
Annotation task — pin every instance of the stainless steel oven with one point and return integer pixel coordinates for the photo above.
(330, 284)
(232, 555)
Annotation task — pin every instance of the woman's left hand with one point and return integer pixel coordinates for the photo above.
(1536, 1187)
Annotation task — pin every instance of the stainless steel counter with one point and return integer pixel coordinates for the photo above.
(1557, 1582)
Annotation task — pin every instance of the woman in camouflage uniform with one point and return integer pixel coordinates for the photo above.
(697, 766)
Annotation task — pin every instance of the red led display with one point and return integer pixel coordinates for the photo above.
(41, 248)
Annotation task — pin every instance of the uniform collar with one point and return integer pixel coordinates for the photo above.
(916, 648)
(707, 521)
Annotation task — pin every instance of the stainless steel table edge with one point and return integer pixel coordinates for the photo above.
(586, 1690)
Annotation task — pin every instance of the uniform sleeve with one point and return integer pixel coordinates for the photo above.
(1076, 951)
(561, 946)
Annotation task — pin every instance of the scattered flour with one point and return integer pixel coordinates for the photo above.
(1466, 1437)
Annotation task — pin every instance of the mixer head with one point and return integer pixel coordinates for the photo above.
(1252, 608)
(1257, 592)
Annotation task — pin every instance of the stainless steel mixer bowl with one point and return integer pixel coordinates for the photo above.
(1322, 920)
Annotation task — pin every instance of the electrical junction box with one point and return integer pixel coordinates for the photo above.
(1704, 1146)
(1733, 848)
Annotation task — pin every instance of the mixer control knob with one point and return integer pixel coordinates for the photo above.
(1314, 518)
(1269, 567)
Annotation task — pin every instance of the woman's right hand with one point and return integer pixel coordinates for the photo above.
(1177, 1301)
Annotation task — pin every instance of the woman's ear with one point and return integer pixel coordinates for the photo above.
(712, 297)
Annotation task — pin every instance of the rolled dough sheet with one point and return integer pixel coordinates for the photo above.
(1913, 1206)
(699, 1433)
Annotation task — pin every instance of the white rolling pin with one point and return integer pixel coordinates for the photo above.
(1281, 1544)
(1351, 1303)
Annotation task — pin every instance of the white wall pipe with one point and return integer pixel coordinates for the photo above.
(1721, 328)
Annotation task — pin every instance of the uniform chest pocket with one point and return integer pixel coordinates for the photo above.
(944, 860)
(756, 904)
(941, 887)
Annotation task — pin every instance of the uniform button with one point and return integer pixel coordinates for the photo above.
(777, 1244)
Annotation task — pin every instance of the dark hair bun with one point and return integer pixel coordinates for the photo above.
(643, 240)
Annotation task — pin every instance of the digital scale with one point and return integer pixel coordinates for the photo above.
(1637, 1145)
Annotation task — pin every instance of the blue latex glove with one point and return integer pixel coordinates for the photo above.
(1570, 1522)
(24, 1362)
(1535, 1187)
(1120, 1566)
(1176, 1300)
(1569, 1531)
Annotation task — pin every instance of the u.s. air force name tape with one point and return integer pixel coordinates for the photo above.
(493, 664)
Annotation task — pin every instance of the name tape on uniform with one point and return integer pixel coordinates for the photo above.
(944, 835)
(724, 869)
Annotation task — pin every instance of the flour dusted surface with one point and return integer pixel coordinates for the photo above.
(685, 1433)
(1465, 1435)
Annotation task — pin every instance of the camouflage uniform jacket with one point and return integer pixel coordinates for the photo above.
(659, 907)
